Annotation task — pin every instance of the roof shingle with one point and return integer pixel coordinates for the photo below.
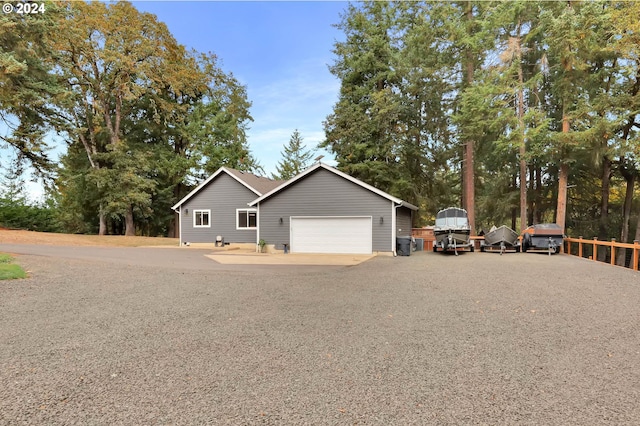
(259, 183)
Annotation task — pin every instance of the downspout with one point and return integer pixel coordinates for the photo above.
(394, 233)
(180, 226)
(393, 229)
(257, 226)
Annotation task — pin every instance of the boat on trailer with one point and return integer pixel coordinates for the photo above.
(503, 238)
(543, 236)
(452, 230)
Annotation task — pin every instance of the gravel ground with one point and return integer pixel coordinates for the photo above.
(426, 339)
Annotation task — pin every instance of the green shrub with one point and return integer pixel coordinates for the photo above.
(17, 214)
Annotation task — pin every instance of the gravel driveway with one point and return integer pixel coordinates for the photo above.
(426, 339)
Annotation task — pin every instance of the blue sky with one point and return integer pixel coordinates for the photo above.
(280, 50)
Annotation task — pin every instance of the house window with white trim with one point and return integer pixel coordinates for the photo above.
(246, 219)
(202, 218)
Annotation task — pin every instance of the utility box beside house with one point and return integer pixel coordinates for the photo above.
(426, 234)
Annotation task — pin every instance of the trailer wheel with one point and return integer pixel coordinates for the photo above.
(526, 242)
(472, 248)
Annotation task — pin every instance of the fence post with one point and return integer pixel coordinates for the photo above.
(580, 246)
(568, 246)
(594, 253)
(636, 247)
(613, 251)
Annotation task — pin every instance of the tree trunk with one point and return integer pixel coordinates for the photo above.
(563, 181)
(174, 223)
(630, 178)
(637, 237)
(173, 231)
(103, 222)
(538, 196)
(130, 227)
(523, 173)
(523, 149)
(563, 173)
(523, 191)
(531, 206)
(469, 178)
(603, 225)
(469, 187)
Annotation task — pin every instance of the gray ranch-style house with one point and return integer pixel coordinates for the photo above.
(321, 210)
(219, 207)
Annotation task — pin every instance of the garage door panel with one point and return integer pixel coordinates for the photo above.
(331, 235)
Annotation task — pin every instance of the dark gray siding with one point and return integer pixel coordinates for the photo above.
(222, 196)
(323, 193)
(403, 222)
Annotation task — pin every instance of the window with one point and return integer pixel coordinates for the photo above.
(246, 219)
(202, 218)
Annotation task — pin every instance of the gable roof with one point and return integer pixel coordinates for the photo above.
(256, 184)
(337, 172)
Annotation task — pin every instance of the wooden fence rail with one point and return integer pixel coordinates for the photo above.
(589, 249)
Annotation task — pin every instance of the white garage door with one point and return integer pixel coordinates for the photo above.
(331, 235)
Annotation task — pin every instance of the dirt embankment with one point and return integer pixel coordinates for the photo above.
(29, 237)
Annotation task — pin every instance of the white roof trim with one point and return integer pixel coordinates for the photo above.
(339, 173)
(209, 179)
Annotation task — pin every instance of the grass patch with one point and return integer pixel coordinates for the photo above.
(9, 270)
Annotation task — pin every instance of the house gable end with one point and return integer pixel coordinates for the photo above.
(256, 184)
(324, 194)
(320, 166)
(223, 197)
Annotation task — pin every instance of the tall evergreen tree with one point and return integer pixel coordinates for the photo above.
(295, 158)
(426, 142)
(626, 42)
(360, 129)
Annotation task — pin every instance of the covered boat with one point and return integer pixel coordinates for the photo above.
(452, 230)
(543, 236)
(503, 238)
